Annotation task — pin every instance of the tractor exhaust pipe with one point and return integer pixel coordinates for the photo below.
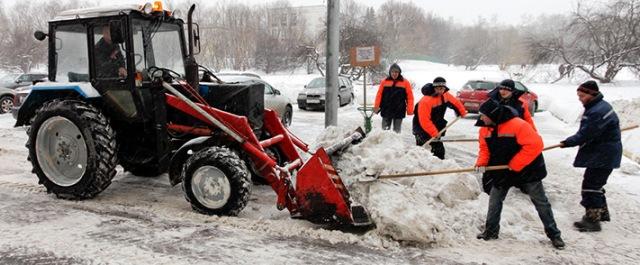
(191, 66)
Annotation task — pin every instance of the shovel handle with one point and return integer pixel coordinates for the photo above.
(441, 131)
(456, 140)
(439, 172)
(631, 127)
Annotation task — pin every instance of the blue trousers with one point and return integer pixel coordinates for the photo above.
(592, 187)
(535, 190)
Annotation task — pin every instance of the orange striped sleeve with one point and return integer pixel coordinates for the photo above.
(409, 92)
(424, 116)
(526, 115)
(530, 141)
(457, 104)
(376, 103)
(483, 149)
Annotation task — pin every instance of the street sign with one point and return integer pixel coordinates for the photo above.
(364, 56)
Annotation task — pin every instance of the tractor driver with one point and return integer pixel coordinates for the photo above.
(109, 59)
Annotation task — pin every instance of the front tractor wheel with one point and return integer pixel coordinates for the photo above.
(72, 149)
(216, 182)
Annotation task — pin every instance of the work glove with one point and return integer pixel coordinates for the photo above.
(562, 145)
(480, 169)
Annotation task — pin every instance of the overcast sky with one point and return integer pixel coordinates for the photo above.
(462, 11)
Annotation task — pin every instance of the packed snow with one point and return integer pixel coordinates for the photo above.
(429, 219)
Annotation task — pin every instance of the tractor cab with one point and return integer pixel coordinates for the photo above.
(113, 50)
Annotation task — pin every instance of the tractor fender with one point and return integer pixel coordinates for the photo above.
(47, 91)
(181, 155)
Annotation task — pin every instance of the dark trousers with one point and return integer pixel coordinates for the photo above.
(592, 187)
(437, 148)
(397, 124)
(539, 199)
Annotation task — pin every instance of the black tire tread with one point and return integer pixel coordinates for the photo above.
(101, 165)
(234, 168)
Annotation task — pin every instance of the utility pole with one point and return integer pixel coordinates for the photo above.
(333, 54)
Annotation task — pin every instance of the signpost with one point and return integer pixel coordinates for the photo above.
(364, 57)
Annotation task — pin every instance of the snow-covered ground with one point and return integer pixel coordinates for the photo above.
(419, 220)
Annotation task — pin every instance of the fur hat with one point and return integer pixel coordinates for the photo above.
(590, 87)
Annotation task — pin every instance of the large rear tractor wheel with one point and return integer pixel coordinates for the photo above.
(72, 148)
(216, 182)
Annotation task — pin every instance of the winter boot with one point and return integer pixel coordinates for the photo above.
(590, 221)
(557, 243)
(488, 235)
(604, 216)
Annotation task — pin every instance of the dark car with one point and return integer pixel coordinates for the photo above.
(313, 95)
(26, 80)
(6, 100)
(474, 92)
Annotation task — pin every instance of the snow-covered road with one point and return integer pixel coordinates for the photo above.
(141, 220)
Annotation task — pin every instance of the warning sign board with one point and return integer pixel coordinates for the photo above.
(364, 56)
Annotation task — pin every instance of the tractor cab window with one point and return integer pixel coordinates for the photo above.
(110, 61)
(110, 68)
(72, 60)
(157, 44)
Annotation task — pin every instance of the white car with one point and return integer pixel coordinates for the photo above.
(273, 99)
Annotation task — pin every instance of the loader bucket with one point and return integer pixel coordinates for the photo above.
(322, 196)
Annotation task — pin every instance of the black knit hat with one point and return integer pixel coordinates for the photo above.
(439, 81)
(590, 87)
(507, 84)
(491, 109)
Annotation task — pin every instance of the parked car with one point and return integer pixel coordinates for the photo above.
(313, 95)
(21, 94)
(6, 100)
(474, 92)
(273, 99)
(25, 80)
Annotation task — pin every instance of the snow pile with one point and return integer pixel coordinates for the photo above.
(627, 111)
(430, 210)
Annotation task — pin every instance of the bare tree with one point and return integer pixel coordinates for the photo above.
(475, 47)
(600, 42)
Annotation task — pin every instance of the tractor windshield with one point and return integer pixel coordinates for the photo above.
(157, 44)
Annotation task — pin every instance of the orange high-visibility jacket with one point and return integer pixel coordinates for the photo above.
(431, 111)
(516, 129)
(394, 98)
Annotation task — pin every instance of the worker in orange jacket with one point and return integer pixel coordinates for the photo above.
(394, 99)
(507, 94)
(430, 110)
(506, 139)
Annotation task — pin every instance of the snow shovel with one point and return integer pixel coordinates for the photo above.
(369, 178)
(456, 140)
(621, 130)
(441, 131)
